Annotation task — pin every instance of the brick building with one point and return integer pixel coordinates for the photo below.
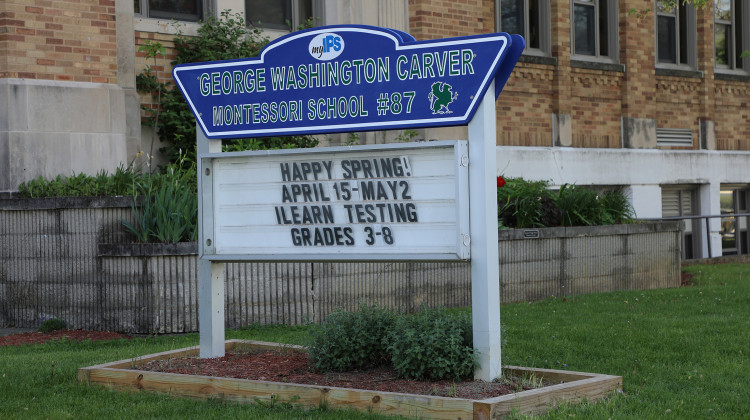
(655, 102)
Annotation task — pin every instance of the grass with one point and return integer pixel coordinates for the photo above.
(683, 353)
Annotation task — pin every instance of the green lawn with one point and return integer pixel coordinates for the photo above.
(683, 354)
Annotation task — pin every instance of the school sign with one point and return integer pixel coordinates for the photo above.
(389, 202)
(346, 78)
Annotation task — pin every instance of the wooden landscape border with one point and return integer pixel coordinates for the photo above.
(570, 387)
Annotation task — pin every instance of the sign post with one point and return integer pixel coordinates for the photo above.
(391, 202)
(485, 272)
(210, 273)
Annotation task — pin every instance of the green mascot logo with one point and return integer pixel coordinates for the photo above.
(440, 97)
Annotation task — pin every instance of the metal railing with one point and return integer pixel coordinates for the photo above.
(705, 223)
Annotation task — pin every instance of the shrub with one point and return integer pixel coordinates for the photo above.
(223, 38)
(168, 212)
(53, 324)
(528, 204)
(351, 340)
(433, 345)
(580, 207)
(616, 204)
(81, 185)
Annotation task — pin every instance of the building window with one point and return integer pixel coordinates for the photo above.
(734, 229)
(675, 35)
(679, 201)
(731, 34)
(594, 29)
(528, 18)
(190, 10)
(274, 14)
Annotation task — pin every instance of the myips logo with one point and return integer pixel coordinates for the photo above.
(326, 46)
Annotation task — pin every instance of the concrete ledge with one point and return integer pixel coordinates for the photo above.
(581, 231)
(597, 65)
(147, 250)
(53, 203)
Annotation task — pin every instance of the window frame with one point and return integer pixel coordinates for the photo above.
(145, 12)
(744, 20)
(692, 226)
(691, 20)
(545, 43)
(613, 32)
(317, 17)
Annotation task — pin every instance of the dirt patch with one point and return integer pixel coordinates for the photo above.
(74, 335)
(294, 367)
(686, 279)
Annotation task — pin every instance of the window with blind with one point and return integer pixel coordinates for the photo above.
(594, 30)
(731, 35)
(279, 14)
(679, 201)
(675, 35)
(187, 10)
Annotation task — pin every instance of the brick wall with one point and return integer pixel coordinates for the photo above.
(595, 108)
(528, 92)
(161, 66)
(678, 103)
(732, 115)
(70, 40)
(450, 18)
(597, 100)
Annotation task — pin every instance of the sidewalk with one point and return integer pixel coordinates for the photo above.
(11, 331)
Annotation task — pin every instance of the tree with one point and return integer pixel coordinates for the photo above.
(671, 3)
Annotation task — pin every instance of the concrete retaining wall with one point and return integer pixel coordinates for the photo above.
(68, 258)
(578, 260)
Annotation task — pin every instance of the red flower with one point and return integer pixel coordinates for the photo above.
(500, 182)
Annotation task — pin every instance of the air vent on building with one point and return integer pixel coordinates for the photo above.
(676, 202)
(674, 137)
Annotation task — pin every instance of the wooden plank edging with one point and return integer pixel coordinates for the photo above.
(570, 387)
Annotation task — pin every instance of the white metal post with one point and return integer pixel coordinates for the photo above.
(485, 272)
(210, 274)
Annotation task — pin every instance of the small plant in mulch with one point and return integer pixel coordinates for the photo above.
(351, 340)
(430, 345)
(53, 324)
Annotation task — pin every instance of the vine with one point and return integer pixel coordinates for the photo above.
(224, 38)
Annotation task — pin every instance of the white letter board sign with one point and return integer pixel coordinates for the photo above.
(404, 202)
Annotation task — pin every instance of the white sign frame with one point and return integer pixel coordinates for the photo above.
(485, 269)
(226, 175)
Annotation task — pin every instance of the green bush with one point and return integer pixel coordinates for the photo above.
(432, 345)
(526, 204)
(351, 340)
(223, 38)
(617, 206)
(580, 207)
(81, 185)
(53, 324)
(530, 204)
(168, 212)
(165, 204)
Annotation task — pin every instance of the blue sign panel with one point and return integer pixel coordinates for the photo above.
(347, 78)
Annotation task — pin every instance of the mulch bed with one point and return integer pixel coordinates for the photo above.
(294, 367)
(287, 366)
(74, 335)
